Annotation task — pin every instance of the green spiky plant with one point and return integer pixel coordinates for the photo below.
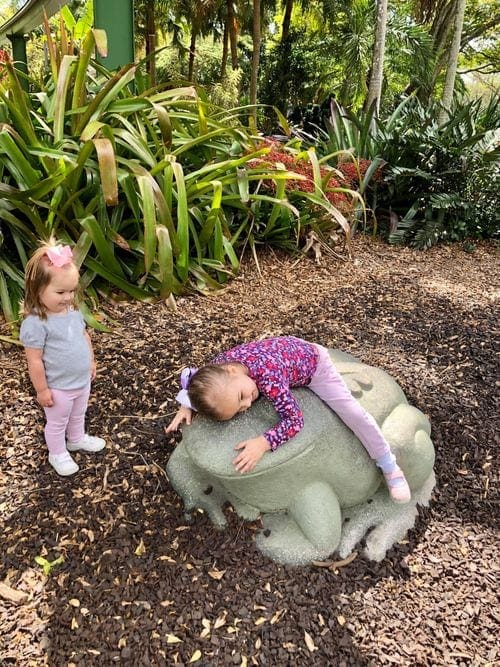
(440, 181)
(154, 188)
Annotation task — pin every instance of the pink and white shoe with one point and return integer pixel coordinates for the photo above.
(89, 443)
(63, 464)
(398, 486)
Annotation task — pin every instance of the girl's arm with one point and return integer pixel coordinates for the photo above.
(36, 371)
(92, 360)
(292, 421)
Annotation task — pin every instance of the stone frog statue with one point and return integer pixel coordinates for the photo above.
(320, 492)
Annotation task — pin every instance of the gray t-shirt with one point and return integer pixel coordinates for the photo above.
(66, 352)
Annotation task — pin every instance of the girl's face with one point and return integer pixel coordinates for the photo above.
(59, 294)
(237, 394)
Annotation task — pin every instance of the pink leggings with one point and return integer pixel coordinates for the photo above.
(331, 388)
(66, 418)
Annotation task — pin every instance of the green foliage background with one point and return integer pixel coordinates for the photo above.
(156, 189)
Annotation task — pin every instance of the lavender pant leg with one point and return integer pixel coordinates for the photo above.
(76, 423)
(330, 387)
(57, 417)
(66, 416)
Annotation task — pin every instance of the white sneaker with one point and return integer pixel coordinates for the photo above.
(89, 443)
(63, 464)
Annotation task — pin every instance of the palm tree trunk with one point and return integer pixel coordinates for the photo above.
(192, 54)
(225, 51)
(287, 17)
(452, 60)
(256, 38)
(377, 68)
(233, 34)
(151, 40)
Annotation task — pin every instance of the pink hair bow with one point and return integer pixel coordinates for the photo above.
(183, 396)
(60, 255)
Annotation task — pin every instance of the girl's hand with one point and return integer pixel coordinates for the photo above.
(45, 398)
(251, 453)
(92, 360)
(183, 415)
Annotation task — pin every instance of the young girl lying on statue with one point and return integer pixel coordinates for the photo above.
(236, 378)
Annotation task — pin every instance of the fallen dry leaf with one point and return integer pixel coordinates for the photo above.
(141, 549)
(8, 593)
(196, 656)
(309, 642)
(216, 574)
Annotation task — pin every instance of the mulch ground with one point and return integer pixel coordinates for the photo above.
(140, 586)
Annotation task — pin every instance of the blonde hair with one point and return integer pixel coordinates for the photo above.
(37, 276)
(204, 384)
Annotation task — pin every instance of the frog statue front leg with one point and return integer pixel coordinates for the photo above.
(197, 487)
(310, 528)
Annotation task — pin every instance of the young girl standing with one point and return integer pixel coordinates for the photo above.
(271, 367)
(59, 353)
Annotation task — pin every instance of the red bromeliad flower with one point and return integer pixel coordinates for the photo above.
(279, 155)
(5, 56)
(350, 172)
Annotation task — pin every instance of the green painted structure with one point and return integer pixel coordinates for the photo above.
(19, 52)
(116, 17)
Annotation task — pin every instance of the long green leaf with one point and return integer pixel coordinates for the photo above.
(63, 82)
(163, 200)
(334, 212)
(104, 249)
(10, 270)
(277, 207)
(91, 320)
(30, 214)
(108, 93)
(208, 227)
(182, 221)
(165, 262)
(149, 219)
(135, 144)
(16, 162)
(7, 309)
(316, 171)
(17, 102)
(164, 124)
(228, 247)
(124, 285)
(107, 170)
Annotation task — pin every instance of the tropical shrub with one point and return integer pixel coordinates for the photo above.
(310, 185)
(440, 178)
(426, 181)
(346, 131)
(301, 162)
(154, 188)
